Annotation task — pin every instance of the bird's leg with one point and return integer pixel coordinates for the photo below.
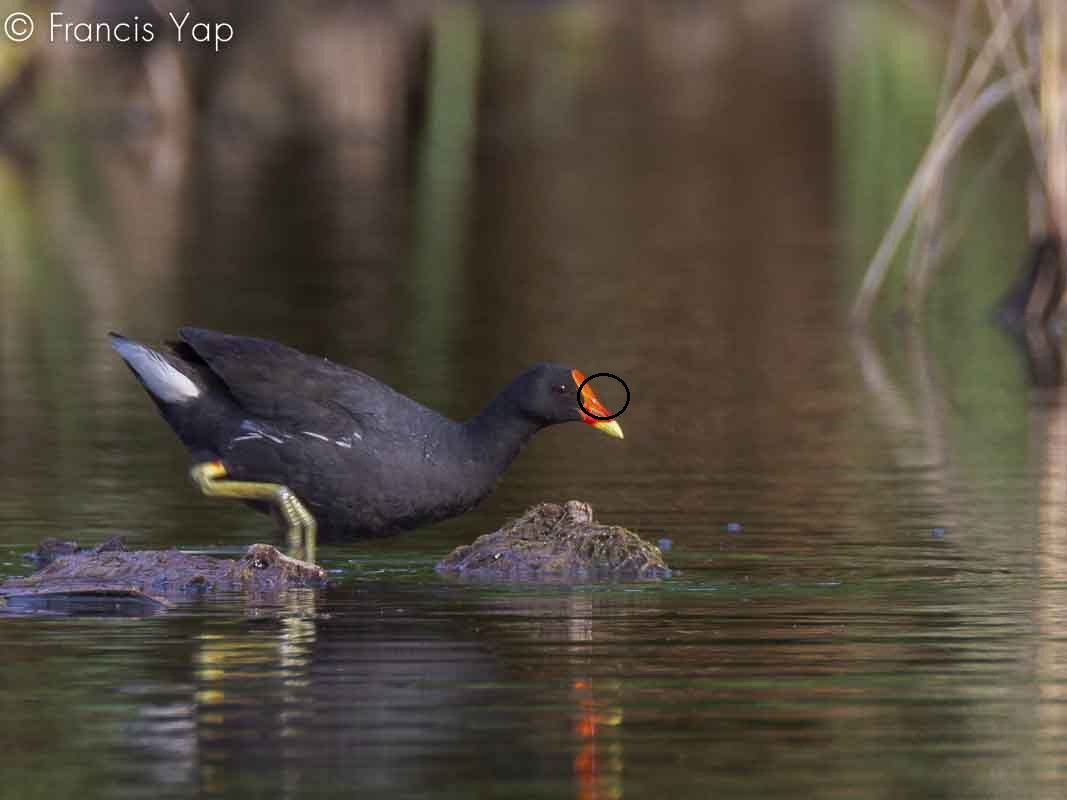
(300, 524)
(210, 478)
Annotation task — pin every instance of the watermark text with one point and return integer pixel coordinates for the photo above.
(181, 28)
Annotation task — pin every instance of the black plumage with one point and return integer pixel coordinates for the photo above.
(365, 459)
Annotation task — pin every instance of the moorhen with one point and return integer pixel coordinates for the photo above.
(325, 445)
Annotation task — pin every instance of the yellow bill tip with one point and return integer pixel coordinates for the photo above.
(610, 427)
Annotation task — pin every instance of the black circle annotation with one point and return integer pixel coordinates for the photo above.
(604, 375)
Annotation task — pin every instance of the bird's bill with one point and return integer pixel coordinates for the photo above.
(593, 408)
(609, 426)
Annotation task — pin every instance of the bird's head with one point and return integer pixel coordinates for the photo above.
(550, 394)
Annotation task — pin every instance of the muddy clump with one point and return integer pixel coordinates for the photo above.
(155, 576)
(557, 543)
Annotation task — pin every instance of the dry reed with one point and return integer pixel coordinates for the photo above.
(998, 71)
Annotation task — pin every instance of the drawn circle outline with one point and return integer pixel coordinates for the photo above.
(604, 375)
(18, 26)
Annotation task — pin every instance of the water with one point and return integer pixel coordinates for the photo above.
(868, 535)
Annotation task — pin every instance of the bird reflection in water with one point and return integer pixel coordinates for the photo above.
(598, 762)
(237, 659)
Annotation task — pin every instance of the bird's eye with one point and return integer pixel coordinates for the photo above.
(260, 563)
(559, 388)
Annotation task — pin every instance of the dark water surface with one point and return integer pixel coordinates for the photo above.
(870, 539)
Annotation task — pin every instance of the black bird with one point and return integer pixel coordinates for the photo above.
(328, 446)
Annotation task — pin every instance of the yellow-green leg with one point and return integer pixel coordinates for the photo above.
(210, 477)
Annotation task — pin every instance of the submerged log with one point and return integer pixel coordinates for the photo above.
(557, 543)
(155, 576)
(1032, 311)
(1037, 296)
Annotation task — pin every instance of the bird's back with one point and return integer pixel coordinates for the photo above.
(367, 459)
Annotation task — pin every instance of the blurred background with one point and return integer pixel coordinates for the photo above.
(868, 529)
(685, 194)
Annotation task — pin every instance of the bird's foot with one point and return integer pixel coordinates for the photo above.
(210, 478)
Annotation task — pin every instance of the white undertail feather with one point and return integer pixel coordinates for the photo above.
(157, 374)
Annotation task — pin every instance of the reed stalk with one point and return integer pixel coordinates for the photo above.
(1053, 109)
(982, 88)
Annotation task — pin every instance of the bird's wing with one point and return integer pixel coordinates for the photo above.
(295, 390)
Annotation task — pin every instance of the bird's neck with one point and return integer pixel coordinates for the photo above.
(499, 433)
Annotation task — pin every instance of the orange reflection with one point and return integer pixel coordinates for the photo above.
(598, 761)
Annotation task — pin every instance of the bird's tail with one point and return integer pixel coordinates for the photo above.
(169, 380)
(195, 404)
